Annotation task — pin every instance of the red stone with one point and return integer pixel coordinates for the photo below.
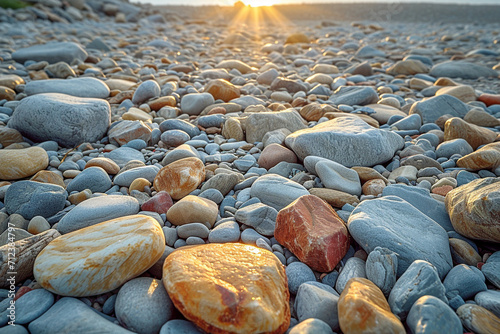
(313, 232)
(490, 99)
(22, 291)
(159, 203)
(274, 154)
(443, 190)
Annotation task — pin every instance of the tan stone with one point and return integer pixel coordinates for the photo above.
(45, 176)
(475, 135)
(105, 163)
(297, 38)
(118, 84)
(474, 209)
(232, 129)
(363, 308)
(462, 92)
(384, 112)
(229, 288)
(136, 114)
(273, 154)
(164, 101)
(445, 82)
(11, 81)
(235, 64)
(487, 157)
(18, 164)
(100, 258)
(120, 97)
(419, 84)
(139, 184)
(334, 197)
(314, 111)
(222, 90)
(373, 187)
(325, 68)
(408, 67)
(463, 252)
(320, 78)
(478, 319)
(480, 117)
(7, 93)
(79, 197)
(126, 131)
(37, 225)
(366, 118)
(9, 136)
(193, 209)
(180, 177)
(390, 101)
(368, 173)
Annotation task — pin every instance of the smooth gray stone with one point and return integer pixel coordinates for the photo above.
(277, 191)
(80, 87)
(247, 100)
(490, 300)
(354, 267)
(30, 199)
(13, 330)
(32, 305)
(250, 236)
(193, 230)
(66, 119)
(395, 224)
(411, 122)
(179, 326)
(222, 182)
(491, 269)
(179, 124)
(381, 268)
(193, 104)
(349, 141)
(174, 137)
(454, 146)
(431, 315)
(52, 52)
(143, 305)
(311, 326)
(259, 124)
(421, 199)
(461, 69)
(285, 169)
(259, 216)
(146, 90)
(297, 274)
(225, 232)
(181, 152)
(69, 315)
(420, 161)
(354, 95)
(94, 178)
(97, 210)
(126, 178)
(368, 51)
(420, 279)
(431, 109)
(319, 301)
(465, 281)
(109, 305)
(213, 195)
(121, 156)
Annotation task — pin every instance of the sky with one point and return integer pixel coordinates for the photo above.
(230, 2)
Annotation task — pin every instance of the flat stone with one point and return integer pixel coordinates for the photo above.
(337, 177)
(124, 131)
(193, 104)
(274, 154)
(80, 87)
(147, 90)
(463, 92)
(431, 109)
(100, 258)
(10, 136)
(234, 64)
(259, 216)
(258, 124)
(276, 191)
(335, 198)
(21, 163)
(490, 300)
(224, 298)
(384, 112)
(179, 124)
(491, 269)
(354, 95)
(107, 164)
(181, 152)
(382, 268)
(232, 129)
(94, 178)
(222, 90)
(431, 315)
(475, 135)
(225, 232)
(421, 161)
(125, 178)
(32, 305)
(461, 69)
(478, 319)
(408, 67)
(123, 155)
(222, 182)
(317, 301)
(487, 157)
(51, 52)
(480, 117)
(181, 177)
(453, 146)
(193, 209)
(464, 281)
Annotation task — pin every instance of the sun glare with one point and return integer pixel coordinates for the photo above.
(259, 3)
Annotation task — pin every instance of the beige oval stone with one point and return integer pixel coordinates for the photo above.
(180, 177)
(232, 129)
(9, 136)
(334, 197)
(18, 164)
(37, 225)
(193, 209)
(476, 136)
(7, 93)
(478, 319)
(45, 176)
(136, 114)
(99, 258)
(139, 184)
(463, 92)
(11, 81)
(105, 163)
(222, 89)
(325, 68)
(373, 187)
(229, 288)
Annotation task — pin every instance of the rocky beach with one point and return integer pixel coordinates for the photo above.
(301, 169)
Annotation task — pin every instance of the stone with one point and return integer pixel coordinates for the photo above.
(136, 114)
(335, 198)
(79, 87)
(382, 112)
(291, 86)
(461, 69)
(225, 232)
(411, 122)
(126, 178)
(313, 232)
(297, 274)
(147, 90)
(463, 253)
(463, 92)
(30, 199)
(94, 178)
(421, 161)
(431, 315)
(408, 172)
(179, 326)
(259, 216)
(143, 305)
(99, 258)
(180, 177)
(181, 152)
(194, 103)
(464, 281)
(373, 187)
(26, 251)
(489, 99)
(473, 209)
(381, 269)
(297, 38)
(311, 326)
(51, 52)
(234, 64)
(11, 81)
(107, 164)
(21, 163)
(432, 109)
(475, 135)
(478, 319)
(164, 101)
(97, 210)
(9, 136)
(408, 67)
(354, 95)
(159, 203)
(362, 308)
(179, 124)
(124, 131)
(276, 191)
(490, 300)
(420, 279)
(487, 157)
(68, 312)
(337, 177)
(211, 286)
(453, 146)
(123, 155)
(222, 90)
(258, 124)
(313, 112)
(274, 154)
(348, 141)
(317, 301)
(393, 223)
(65, 119)
(32, 305)
(478, 116)
(193, 209)
(174, 138)
(232, 129)
(491, 269)
(222, 182)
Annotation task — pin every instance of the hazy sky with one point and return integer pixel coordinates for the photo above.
(230, 2)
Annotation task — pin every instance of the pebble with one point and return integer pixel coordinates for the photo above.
(311, 326)
(381, 269)
(318, 301)
(464, 281)
(21, 163)
(225, 232)
(94, 178)
(354, 267)
(32, 305)
(276, 191)
(193, 209)
(298, 273)
(430, 314)
(79, 87)
(180, 177)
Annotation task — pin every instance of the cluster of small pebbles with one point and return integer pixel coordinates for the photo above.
(168, 175)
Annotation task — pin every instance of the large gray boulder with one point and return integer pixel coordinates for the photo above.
(461, 69)
(52, 52)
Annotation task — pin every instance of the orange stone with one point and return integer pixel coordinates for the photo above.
(139, 184)
(443, 190)
(164, 101)
(490, 99)
(193, 209)
(335, 198)
(45, 176)
(313, 232)
(217, 110)
(105, 163)
(487, 157)
(9, 136)
(273, 154)
(476, 136)
(373, 187)
(180, 177)
(7, 93)
(126, 131)
(120, 97)
(222, 90)
(313, 112)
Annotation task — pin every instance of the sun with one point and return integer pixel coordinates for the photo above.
(259, 3)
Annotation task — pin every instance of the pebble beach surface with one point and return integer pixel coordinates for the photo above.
(165, 172)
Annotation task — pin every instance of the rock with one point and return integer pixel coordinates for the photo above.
(225, 232)
(290, 86)
(431, 315)
(9, 136)
(487, 157)
(478, 116)
(276, 191)
(318, 301)
(181, 177)
(222, 90)
(354, 95)
(65, 119)
(274, 154)
(478, 319)
(411, 122)
(464, 281)
(393, 223)
(384, 112)
(26, 251)
(123, 155)
(181, 152)
(30, 199)
(297, 38)
(420, 279)
(313, 232)
(373, 187)
(68, 312)
(136, 114)
(107, 164)
(408, 67)
(298, 273)
(430, 110)
(11, 81)
(259, 216)
(454, 146)
(124, 131)
(125, 178)
(463, 253)
(491, 269)
(147, 90)
(463, 92)
(178, 326)
(475, 135)
(335, 176)
(79, 87)
(461, 69)
(159, 203)
(489, 99)
(94, 178)
(347, 140)
(21, 163)
(408, 172)
(222, 182)
(354, 267)
(381, 269)
(313, 112)
(234, 64)
(258, 124)
(84, 262)
(368, 51)
(193, 104)
(335, 198)
(311, 326)
(97, 210)
(490, 300)
(32, 305)
(193, 209)
(216, 276)
(51, 52)
(232, 129)
(363, 309)
(143, 305)
(174, 138)
(473, 209)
